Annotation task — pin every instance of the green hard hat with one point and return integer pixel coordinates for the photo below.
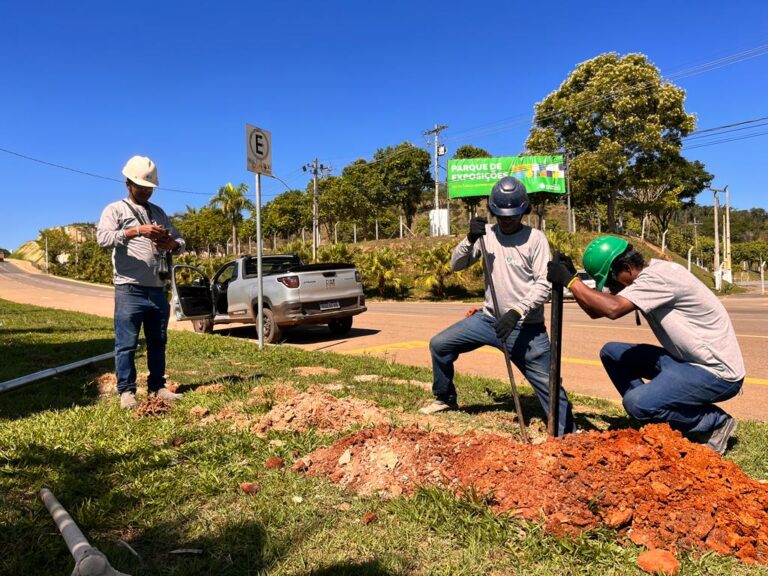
(599, 256)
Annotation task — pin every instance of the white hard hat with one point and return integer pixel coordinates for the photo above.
(142, 171)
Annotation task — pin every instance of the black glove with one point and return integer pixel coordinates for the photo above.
(568, 263)
(476, 229)
(561, 273)
(506, 324)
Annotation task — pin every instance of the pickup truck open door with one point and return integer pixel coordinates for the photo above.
(192, 297)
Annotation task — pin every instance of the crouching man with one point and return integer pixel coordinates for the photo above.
(699, 362)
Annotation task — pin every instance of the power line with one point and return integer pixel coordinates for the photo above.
(724, 140)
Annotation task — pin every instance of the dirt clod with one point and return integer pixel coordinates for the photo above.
(368, 517)
(315, 371)
(658, 561)
(250, 487)
(273, 462)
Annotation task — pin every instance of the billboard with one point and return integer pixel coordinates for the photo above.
(476, 176)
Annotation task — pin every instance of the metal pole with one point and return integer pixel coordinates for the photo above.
(568, 191)
(556, 326)
(46, 253)
(728, 263)
(259, 247)
(89, 561)
(314, 216)
(16, 382)
(717, 246)
(497, 314)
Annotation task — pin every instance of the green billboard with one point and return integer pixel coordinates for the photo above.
(476, 176)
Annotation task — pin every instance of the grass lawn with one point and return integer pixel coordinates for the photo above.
(169, 482)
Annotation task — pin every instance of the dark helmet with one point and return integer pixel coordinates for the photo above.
(509, 198)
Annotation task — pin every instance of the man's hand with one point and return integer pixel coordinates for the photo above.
(476, 229)
(167, 243)
(561, 273)
(506, 324)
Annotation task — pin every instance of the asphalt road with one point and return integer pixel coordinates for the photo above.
(400, 331)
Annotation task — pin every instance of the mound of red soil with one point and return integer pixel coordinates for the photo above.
(321, 412)
(653, 485)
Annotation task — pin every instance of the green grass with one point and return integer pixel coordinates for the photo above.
(122, 477)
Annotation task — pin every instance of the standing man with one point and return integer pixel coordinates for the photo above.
(517, 258)
(141, 236)
(699, 362)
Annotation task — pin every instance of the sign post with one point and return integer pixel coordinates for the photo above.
(258, 147)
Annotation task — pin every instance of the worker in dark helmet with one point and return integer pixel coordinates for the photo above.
(517, 258)
(699, 361)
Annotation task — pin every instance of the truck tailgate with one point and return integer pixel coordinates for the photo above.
(327, 290)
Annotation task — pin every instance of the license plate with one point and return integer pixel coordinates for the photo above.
(329, 305)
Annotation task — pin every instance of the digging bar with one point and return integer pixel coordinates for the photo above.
(556, 325)
(496, 312)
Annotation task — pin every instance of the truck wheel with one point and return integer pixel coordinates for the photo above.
(205, 325)
(272, 332)
(340, 326)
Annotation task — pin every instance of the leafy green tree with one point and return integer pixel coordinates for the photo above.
(405, 171)
(302, 249)
(750, 252)
(232, 201)
(363, 186)
(202, 228)
(611, 113)
(287, 213)
(59, 243)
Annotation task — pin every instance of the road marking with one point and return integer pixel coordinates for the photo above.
(414, 344)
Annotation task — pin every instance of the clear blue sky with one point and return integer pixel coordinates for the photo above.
(89, 84)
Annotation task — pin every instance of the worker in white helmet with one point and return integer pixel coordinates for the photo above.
(142, 239)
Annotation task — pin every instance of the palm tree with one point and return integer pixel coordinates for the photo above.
(232, 201)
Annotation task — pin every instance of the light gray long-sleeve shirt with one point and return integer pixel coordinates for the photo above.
(518, 266)
(134, 260)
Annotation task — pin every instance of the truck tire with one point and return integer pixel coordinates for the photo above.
(205, 325)
(340, 326)
(272, 332)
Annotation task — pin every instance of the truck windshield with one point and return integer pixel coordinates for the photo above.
(270, 265)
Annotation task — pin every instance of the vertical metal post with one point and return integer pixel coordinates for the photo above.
(727, 248)
(314, 215)
(568, 190)
(556, 326)
(259, 247)
(507, 359)
(46, 253)
(716, 266)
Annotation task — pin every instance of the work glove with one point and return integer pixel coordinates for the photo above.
(476, 229)
(506, 324)
(563, 272)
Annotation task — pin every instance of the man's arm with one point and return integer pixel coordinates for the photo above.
(599, 304)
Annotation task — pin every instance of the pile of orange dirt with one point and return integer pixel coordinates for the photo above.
(653, 485)
(152, 406)
(321, 412)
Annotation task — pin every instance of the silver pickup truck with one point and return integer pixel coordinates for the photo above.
(294, 294)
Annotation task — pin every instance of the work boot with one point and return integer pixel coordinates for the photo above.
(128, 400)
(438, 406)
(718, 440)
(167, 395)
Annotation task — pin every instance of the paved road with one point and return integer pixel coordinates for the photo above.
(400, 331)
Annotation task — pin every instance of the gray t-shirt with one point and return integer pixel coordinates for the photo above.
(134, 260)
(689, 321)
(518, 265)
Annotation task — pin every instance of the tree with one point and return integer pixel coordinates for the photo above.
(202, 227)
(611, 113)
(405, 171)
(287, 213)
(232, 201)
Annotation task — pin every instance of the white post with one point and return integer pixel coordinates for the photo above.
(336, 233)
(377, 228)
(260, 299)
(762, 276)
(401, 226)
(664, 241)
(354, 232)
(689, 258)
(727, 247)
(46, 253)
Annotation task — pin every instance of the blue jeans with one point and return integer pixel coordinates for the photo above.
(676, 392)
(136, 305)
(529, 350)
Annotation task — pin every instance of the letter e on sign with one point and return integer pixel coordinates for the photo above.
(258, 149)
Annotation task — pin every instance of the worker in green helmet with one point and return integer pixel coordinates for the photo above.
(699, 362)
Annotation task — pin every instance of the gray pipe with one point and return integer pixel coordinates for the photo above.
(16, 382)
(89, 561)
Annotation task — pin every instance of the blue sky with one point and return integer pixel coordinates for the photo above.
(88, 84)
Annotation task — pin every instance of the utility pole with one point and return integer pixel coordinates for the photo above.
(436, 131)
(315, 168)
(718, 273)
(727, 248)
